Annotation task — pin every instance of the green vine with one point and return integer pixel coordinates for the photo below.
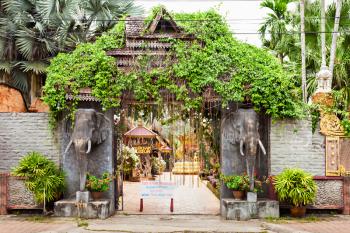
(235, 70)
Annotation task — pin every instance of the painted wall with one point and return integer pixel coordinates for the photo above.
(21, 133)
(294, 145)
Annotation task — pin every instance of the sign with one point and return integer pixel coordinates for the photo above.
(157, 189)
(143, 149)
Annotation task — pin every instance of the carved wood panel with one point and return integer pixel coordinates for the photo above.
(344, 156)
(337, 156)
(332, 156)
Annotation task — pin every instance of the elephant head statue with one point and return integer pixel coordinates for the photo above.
(246, 133)
(90, 129)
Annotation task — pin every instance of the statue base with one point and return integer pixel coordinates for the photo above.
(244, 210)
(83, 197)
(93, 209)
(252, 197)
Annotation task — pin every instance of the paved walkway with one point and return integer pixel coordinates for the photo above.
(131, 223)
(191, 196)
(167, 223)
(339, 224)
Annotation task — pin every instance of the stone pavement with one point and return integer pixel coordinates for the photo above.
(191, 196)
(338, 224)
(130, 223)
(168, 223)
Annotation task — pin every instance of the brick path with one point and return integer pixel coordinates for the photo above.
(190, 197)
(168, 223)
(20, 225)
(337, 226)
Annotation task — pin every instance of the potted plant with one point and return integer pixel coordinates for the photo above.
(239, 184)
(97, 185)
(297, 187)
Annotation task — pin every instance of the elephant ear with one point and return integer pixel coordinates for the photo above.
(233, 127)
(238, 127)
(102, 128)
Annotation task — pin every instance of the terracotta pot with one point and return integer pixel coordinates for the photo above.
(298, 212)
(96, 195)
(238, 194)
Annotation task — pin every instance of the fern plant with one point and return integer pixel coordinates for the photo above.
(43, 178)
(296, 187)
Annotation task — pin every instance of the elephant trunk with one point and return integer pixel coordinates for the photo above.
(81, 153)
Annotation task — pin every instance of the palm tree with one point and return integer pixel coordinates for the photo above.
(303, 48)
(32, 31)
(274, 29)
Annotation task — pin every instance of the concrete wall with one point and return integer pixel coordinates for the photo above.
(294, 145)
(21, 133)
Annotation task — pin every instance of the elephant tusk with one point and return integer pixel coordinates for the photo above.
(89, 147)
(68, 146)
(241, 147)
(262, 147)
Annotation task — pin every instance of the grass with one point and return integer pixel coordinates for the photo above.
(307, 219)
(38, 218)
(82, 223)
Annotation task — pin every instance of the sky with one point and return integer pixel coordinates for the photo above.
(243, 16)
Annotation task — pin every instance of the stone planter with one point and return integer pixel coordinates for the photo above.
(96, 195)
(298, 212)
(238, 195)
(252, 197)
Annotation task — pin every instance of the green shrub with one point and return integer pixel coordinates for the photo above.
(295, 186)
(43, 178)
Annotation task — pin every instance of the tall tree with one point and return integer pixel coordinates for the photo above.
(274, 29)
(335, 35)
(303, 49)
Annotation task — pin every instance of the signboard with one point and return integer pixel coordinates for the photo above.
(143, 149)
(157, 189)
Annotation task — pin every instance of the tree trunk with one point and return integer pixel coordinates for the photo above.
(280, 56)
(323, 33)
(303, 50)
(334, 37)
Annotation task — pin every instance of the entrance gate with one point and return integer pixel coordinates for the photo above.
(171, 149)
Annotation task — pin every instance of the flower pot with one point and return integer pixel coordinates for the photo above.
(96, 195)
(298, 212)
(238, 194)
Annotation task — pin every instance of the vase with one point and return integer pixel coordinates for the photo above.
(298, 212)
(238, 194)
(96, 195)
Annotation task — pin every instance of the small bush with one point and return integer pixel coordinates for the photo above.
(295, 186)
(43, 178)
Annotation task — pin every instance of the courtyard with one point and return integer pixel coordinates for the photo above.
(191, 196)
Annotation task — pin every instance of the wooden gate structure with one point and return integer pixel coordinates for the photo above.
(3, 192)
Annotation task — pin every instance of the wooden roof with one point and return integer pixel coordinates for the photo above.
(145, 38)
(140, 132)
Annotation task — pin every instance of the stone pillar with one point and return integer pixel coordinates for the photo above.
(100, 159)
(232, 162)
